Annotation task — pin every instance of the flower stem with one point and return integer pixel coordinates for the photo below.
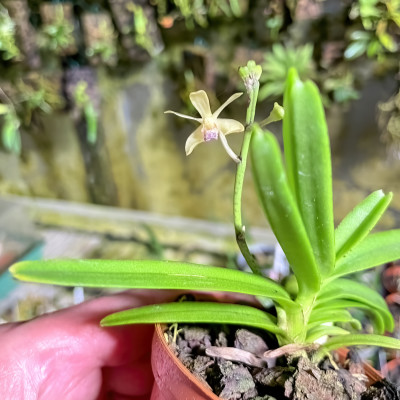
(240, 172)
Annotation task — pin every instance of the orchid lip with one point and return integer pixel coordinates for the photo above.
(210, 134)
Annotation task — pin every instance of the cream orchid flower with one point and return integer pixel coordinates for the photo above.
(211, 127)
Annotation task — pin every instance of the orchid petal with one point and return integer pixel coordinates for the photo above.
(200, 101)
(183, 116)
(227, 126)
(194, 139)
(229, 101)
(230, 152)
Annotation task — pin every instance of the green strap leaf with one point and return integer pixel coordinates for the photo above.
(359, 222)
(351, 290)
(376, 249)
(353, 322)
(323, 330)
(360, 340)
(325, 308)
(148, 274)
(308, 163)
(281, 209)
(333, 316)
(195, 312)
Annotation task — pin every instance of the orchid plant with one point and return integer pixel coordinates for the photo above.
(297, 198)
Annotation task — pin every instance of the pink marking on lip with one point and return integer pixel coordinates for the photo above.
(210, 134)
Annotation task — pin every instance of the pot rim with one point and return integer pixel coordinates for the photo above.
(159, 333)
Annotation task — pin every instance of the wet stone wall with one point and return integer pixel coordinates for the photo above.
(139, 161)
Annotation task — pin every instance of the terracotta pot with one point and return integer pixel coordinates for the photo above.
(391, 369)
(173, 381)
(372, 374)
(391, 278)
(393, 299)
(393, 302)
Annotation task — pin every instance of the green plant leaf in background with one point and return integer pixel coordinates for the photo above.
(8, 46)
(10, 134)
(277, 64)
(85, 104)
(356, 49)
(91, 122)
(387, 41)
(281, 209)
(308, 164)
(58, 35)
(359, 222)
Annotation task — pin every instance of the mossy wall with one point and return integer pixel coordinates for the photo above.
(142, 164)
(138, 160)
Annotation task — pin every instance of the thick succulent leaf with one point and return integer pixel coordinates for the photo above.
(147, 274)
(376, 249)
(359, 222)
(346, 289)
(281, 209)
(333, 316)
(361, 340)
(308, 163)
(195, 312)
(323, 330)
(377, 319)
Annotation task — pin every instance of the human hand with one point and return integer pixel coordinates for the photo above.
(67, 355)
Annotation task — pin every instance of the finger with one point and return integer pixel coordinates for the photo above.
(118, 345)
(125, 344)
(108, 346)
(95, 310)
(81, 332)
(129, 380)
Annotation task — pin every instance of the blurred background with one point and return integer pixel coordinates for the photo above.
(90, 166)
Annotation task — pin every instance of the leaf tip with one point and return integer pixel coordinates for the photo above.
(293, 75)
(105, 322)
(16, 269)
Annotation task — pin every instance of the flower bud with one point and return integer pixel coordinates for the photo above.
(250, 74)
